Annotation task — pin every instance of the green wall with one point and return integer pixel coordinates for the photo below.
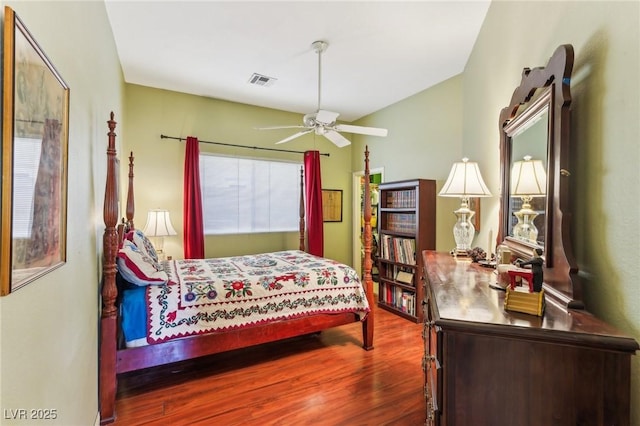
(160, 162)
(425, 138)
(49, 328)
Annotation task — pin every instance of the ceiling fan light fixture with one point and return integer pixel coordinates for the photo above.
(309, 120)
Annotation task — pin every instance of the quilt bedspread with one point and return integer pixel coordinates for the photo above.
(206, 295)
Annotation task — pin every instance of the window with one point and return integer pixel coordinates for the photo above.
(241, 195)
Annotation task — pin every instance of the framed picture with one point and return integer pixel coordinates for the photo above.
(35, 130)
(332, 205)
(474, 204)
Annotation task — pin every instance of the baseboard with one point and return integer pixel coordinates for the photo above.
(97, 422)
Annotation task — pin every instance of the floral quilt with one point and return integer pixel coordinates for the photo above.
(206, 295)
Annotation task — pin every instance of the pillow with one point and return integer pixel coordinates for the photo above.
(142, 242)
(139, 268)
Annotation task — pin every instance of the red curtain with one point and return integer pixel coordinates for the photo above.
(193, 227)
(313, 195)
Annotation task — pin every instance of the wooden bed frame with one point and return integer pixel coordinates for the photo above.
(114, 360)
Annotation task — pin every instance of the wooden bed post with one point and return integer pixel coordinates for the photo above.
(107, 378)
(302, 212)
(130, 205)
(367, 325)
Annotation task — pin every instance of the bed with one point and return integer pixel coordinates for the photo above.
(167, 338)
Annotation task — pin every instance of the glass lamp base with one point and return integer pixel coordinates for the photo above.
(463, 230)
(525, 229)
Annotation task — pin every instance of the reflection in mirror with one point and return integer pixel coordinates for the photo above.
(529, 181)
(528, 184)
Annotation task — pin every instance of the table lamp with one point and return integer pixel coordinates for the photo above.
(528, 180)
(159, 226)
(464, 181)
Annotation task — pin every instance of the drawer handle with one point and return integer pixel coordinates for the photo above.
(426, 362)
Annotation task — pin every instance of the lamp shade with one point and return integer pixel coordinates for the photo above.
(158, 224)
(528, 178)
(465, 180)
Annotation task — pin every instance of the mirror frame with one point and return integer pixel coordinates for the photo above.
(541, 87)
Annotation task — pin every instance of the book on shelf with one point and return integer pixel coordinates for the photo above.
(405, 198)
(405, 277)
(400, 299)
(397, 249)
(401, 222)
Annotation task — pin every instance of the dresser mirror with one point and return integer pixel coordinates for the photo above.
(528, 135)
(535, 175)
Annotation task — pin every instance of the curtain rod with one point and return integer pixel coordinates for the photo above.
(239, 146)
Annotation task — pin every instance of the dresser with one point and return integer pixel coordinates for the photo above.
(487, 366)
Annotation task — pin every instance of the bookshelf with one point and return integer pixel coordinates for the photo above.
(406, 227)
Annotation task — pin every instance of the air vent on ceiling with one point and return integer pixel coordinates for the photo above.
(261, 80)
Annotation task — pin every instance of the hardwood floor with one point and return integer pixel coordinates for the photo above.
(325, 379)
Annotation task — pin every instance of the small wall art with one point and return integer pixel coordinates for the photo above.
(332, 205)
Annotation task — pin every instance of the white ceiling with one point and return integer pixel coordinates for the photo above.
(379, 52)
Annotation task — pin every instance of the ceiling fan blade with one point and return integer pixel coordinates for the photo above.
(281, 127)
(297, 135)
(326, 117)
(371, 131)
(336, 138)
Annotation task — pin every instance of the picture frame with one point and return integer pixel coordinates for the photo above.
(35, 136)
(332, 205)
(474, 204)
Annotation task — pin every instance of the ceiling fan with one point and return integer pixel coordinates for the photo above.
(324, 122)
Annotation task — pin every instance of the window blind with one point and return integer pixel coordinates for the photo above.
(243, 195)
